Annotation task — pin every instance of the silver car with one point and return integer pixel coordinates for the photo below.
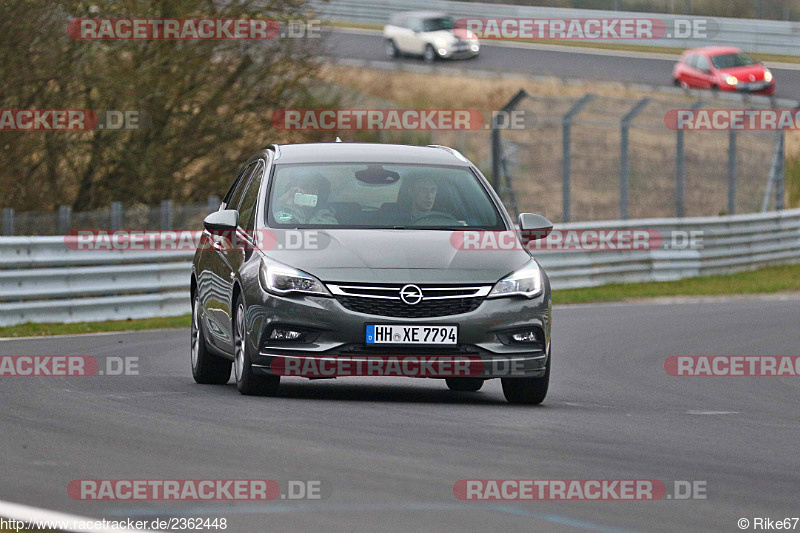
(337, 259)
(430, 35)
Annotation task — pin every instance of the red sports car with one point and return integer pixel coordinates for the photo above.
(723, 68)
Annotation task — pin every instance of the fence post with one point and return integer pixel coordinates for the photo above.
(496, 148)
(213, 203)
(680, 167)
(780, 177)
(64, 219)
(624, 163)
(166, 214)
(116, 215)
(731, 172)
(566, 145)
(8, 221)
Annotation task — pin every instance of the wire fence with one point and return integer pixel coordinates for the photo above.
(596, 158)
(165, 216)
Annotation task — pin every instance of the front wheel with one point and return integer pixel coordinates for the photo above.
(391, 49)
(529, 391)
(430, 54)
(247, 382)
(207, 368)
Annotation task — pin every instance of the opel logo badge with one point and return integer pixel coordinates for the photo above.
(411, 294)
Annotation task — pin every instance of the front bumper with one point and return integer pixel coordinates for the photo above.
(339, 334)
(450, 52)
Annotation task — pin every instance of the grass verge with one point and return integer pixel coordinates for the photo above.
(785, 278)
(37, 330)
(768, 280)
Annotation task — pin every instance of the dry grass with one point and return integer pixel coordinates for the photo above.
(536, 167)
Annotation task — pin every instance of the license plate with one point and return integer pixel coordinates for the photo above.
(394, 334)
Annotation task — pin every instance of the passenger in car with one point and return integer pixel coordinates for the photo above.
(306, 202)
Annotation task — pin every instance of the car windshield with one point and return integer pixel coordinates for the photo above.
(438, 23)
(732, 60)
(380, 196)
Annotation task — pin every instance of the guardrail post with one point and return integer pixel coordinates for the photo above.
(213, 203)
(8, 221)
(116, 215)
(566, 145)
(731, 172)
(624, 163)
(166, 214)
(64, 219)
(780, 176)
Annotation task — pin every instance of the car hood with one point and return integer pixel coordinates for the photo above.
(395, 256)
(744, 73)
(448, 35)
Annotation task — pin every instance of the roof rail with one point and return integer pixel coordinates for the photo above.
(451, 150)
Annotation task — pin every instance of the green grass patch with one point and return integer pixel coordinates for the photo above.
(767, 280)
(37, 330)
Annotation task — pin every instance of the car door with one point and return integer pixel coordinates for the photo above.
(416, 37)
(213, 278)
(235, 253)
(703, 71)
(405, 36)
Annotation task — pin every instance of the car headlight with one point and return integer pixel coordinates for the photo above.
(281, 279)
(526, 281)
(731, 80)
(767, 75)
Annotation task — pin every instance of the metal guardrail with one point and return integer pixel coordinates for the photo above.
(42, 280)
(765, 36)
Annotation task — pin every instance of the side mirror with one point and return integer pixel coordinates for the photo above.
(224, 221)
(534, 227)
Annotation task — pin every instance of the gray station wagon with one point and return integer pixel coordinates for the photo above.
(336, 259)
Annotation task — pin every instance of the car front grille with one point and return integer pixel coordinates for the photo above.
(385, 300)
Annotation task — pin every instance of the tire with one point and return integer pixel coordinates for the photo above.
(390, 49)
(464, 384)
(207, 368)
(715, 89)
(429, 55)
(528, 391)
(247, 382)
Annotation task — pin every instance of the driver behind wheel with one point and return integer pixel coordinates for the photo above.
(423, 196)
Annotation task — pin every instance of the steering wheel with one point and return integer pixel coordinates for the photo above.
(435, 215)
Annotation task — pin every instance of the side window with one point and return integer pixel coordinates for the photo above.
(702, 64)
(236, 197)
(691, 61)
(250, 198)
(415, 24)
(237, 183)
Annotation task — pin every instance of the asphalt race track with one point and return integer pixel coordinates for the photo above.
(570, 63)
(389, 450)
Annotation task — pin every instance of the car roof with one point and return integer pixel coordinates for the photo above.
(341, 152)
(715, 50)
